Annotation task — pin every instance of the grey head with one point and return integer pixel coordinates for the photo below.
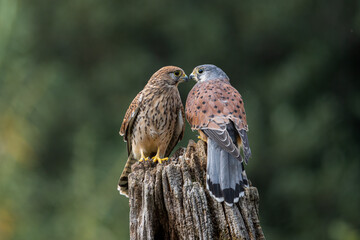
(207, 72)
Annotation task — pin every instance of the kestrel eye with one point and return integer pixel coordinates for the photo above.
(177, 73)
(200, 71)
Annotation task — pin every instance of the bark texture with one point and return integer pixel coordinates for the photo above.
(170, 201)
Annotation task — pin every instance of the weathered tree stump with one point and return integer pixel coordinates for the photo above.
(170, 201)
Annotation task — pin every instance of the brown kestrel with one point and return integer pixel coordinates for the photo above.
(154, 122)
(216, 110)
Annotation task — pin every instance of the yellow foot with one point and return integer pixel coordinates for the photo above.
(158, 159)
(199, 137)
(144, 159)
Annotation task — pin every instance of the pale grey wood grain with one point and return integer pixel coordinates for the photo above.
(170, 201)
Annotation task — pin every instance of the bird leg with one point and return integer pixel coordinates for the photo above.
(202, 136)
(199, 137)
(157, 157)
(143, 158)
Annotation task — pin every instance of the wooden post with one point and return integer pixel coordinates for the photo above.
(170, 201)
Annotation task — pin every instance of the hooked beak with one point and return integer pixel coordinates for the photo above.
(192, 77)
(184, 78)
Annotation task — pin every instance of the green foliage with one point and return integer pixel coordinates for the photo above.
(69, 70)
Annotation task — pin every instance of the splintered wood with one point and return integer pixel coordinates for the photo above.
(170, 201)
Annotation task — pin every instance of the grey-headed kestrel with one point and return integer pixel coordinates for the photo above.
(154, 122)
(216, 110)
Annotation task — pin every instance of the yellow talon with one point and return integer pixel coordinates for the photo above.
(143, 158)
(158, 159)
(199, 137)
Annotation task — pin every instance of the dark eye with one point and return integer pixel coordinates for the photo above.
(177, 73)
(200, 71)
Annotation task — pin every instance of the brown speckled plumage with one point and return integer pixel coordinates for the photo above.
(210, 104)
(154, 122)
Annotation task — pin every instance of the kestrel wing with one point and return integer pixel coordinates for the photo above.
(211, 107)
(242, 128)
(223, 139)
(129, 119)
(179, 130)
(245, 144)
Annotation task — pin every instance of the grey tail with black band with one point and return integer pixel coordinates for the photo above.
(225, 177)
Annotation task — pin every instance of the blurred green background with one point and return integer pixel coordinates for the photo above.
(69, 70)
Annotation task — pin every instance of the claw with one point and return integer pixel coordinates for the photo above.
(199, 137)
(143, 158)
(158, 159)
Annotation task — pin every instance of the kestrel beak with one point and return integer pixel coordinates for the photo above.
(184, 78)
(192, 77)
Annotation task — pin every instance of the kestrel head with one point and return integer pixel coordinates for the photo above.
(207, 72)
(169, 75)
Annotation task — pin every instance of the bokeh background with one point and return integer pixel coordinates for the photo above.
(69, 70)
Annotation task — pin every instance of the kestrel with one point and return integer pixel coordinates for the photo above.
(216, 110)
(154, 122)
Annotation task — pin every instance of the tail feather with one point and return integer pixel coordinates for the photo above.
(213, 166)
(123, 185)
(237, 178)
(225, 175)
(226, 183)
